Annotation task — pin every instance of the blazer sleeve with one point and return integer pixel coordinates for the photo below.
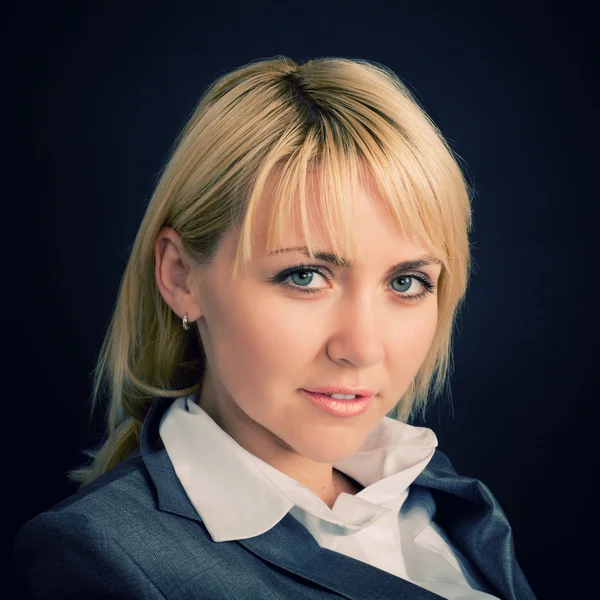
(66, 555)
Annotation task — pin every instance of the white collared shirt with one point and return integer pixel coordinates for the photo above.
(387, 524)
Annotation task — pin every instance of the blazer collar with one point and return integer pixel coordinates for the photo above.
(465, 509)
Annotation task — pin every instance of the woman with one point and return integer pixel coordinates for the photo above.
(287, 306)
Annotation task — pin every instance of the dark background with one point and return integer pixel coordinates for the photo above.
(97, 93)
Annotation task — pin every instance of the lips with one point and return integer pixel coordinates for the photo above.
(339, 408)
(338, 389)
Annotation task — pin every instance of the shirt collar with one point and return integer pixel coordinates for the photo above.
(254, 496)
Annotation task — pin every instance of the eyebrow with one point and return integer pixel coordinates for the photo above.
(345, 263)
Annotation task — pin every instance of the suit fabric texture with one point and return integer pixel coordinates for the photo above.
(134, 534)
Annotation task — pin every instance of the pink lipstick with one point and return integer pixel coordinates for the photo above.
(338, 407)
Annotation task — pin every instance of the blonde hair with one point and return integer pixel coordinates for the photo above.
(274, 116)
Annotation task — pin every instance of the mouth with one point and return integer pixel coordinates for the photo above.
(340, 406)
(342, 392)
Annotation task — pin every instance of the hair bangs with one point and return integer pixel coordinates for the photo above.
(309, 188)
(412, 180)
(337, 156)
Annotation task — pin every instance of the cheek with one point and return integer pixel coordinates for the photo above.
(256, 341)
(411, 340)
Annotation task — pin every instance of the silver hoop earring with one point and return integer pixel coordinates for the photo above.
(186, 325)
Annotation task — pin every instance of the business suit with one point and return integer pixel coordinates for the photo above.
(133, 533)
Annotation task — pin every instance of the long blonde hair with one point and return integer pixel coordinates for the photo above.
(346, 116)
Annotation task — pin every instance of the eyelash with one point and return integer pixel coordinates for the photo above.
(280, 279)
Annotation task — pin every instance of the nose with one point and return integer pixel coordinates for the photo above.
(356, 334)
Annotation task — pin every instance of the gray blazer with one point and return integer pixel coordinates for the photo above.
(133, 533)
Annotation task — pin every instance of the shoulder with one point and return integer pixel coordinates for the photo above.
(125, 487)
(124, 490)
(82, 541)
(121, 503)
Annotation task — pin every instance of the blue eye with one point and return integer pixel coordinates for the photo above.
(301, 275)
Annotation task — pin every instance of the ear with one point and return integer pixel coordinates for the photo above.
(174, 270)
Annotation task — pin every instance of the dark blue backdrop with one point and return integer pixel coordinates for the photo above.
(100, 91)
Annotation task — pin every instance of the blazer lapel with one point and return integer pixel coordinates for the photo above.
(290, 546)
(471, 515)
(465, 509)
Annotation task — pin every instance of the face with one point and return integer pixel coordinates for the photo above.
(266, 339)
